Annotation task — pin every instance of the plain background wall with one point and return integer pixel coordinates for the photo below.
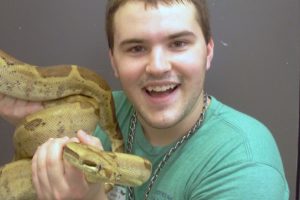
(255, 69)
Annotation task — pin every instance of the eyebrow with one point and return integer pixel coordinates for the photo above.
(170, 37)
(131, 41)
(181, 34)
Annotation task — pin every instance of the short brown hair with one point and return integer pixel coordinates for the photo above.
(200, 5)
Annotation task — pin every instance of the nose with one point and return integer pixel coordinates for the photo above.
(158, 62)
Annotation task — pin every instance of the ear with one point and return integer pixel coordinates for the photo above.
(113, 64)
(210, 53)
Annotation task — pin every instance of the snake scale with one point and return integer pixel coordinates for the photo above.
(73, 98)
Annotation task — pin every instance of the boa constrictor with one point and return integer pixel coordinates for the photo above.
(73, 98)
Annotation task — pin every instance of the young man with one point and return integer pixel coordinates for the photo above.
(199, 147)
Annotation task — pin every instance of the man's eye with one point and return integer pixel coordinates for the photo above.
(178, 44)
(136, 49)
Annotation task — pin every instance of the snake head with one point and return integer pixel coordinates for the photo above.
(75, 153)
(97, 165)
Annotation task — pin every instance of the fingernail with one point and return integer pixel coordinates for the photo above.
(82, 133)
(74, 139)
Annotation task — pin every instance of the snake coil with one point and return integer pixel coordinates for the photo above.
(66, 92)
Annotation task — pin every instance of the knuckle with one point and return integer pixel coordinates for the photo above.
(50, 162)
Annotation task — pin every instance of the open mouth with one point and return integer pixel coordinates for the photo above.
(161, 90)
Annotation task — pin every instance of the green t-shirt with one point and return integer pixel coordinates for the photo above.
(231, 157)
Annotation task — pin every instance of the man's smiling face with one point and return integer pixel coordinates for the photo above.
(160, 56)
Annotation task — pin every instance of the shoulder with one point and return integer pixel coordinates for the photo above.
(235, 146)
(234, 127)
(227, 123)
(229, 118)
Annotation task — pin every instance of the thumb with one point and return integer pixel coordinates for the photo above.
(88, 139)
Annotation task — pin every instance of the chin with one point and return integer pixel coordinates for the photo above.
(160, 122)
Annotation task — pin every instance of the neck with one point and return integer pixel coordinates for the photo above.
(166, 136)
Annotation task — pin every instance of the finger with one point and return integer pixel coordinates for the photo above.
(7, 109)
(2, 96)
(12, 110)
(34, 170)
(20, 104)
(43, 186)
(6, 104)
(88, 139)
(26, 107)
(55, 166)
(74, 139)
(75, 178)
(32, 107)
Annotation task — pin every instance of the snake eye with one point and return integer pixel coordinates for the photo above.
(91, 164)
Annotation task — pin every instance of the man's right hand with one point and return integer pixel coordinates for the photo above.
(14, 110)
(54, 178)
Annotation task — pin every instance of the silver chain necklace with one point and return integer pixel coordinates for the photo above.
(132, 130)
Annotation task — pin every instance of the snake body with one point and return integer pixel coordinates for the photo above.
(73, 98)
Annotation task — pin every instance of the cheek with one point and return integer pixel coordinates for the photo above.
(192, 65)
(129, 71)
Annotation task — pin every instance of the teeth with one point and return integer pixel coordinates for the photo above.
(161, 88)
